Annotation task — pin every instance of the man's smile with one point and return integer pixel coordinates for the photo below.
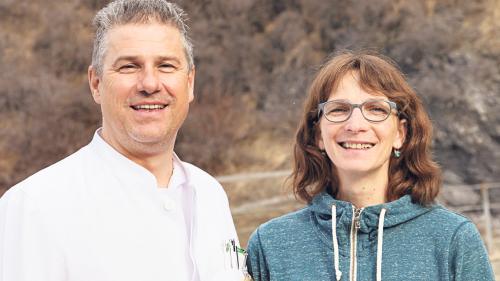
(149, 107)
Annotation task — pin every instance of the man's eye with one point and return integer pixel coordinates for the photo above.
(167, 67)
(128, 68)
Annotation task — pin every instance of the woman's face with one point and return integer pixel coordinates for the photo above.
(358, 146)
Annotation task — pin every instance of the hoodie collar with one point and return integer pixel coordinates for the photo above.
(397, 212)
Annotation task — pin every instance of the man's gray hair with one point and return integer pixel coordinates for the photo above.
(122, 12)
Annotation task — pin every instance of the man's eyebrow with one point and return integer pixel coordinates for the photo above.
(135, 58)
(168, 58)
(124, 58)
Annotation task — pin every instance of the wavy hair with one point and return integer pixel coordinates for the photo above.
(414, 172)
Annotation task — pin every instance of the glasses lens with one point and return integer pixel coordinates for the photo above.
(337, 111)
(376, 110)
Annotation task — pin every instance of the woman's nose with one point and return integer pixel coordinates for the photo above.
(356, 121)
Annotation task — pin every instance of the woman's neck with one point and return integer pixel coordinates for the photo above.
(363, 190)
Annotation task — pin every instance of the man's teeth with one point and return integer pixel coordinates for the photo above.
(357, 145)
(149, 106)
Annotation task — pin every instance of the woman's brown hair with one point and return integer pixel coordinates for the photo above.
(414, 172)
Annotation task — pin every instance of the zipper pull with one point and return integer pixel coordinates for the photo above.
(357, 215)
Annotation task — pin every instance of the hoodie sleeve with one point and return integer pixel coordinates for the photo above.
(468, 257)
(256, 263)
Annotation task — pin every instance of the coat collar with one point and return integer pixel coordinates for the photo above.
(127, 171)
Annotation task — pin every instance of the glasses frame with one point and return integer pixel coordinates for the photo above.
(321, 108)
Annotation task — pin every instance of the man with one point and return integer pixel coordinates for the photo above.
(125, 207)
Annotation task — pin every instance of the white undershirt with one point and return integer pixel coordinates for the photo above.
(178, 202)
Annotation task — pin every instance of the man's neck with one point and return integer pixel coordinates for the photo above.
(156, 158)
(161, 166)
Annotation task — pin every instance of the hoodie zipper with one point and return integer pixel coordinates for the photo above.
(356, 214)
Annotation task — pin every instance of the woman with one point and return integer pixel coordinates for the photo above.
(362, 156)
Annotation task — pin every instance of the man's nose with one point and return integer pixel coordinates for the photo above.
(357, 122)
(149, 81)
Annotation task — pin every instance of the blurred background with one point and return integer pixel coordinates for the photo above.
(255, 59)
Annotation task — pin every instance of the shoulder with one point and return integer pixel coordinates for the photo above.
(458, 239)
(461, 228)
(468, 257)
(294, 219)
(50, 185)
(283, 240)
(444, 217)
(207, 188)
(280, 228)
(53, 177)
(201, 179)
(197, 174)
(446, 225)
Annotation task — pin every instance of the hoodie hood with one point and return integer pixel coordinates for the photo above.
(397, 212)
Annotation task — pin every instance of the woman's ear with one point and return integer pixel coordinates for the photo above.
(400, 134)
(317, 136)
(321, 145)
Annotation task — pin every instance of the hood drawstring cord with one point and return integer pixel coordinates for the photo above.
(338, 273)
(380, 240)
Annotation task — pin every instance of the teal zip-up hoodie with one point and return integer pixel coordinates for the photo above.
(417, 243)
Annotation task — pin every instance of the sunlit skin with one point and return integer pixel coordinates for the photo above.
(144, 65)
(363, 173)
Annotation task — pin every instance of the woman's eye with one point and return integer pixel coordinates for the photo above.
(338, 109)
(333, 110)
(378, 109)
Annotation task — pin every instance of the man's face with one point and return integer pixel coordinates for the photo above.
(145, 87)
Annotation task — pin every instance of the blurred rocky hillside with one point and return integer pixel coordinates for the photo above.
(254, 61)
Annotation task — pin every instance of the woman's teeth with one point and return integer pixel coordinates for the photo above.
(356, 145)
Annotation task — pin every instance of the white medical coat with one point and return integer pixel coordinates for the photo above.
(95, 216)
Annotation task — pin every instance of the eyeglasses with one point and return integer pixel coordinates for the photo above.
(374, 110)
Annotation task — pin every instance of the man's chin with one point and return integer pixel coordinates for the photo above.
(150, 138)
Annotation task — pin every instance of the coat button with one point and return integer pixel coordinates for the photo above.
(168, 204)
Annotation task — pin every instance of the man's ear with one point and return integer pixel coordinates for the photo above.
(401, 134)
(191, 75)
(94, 82)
